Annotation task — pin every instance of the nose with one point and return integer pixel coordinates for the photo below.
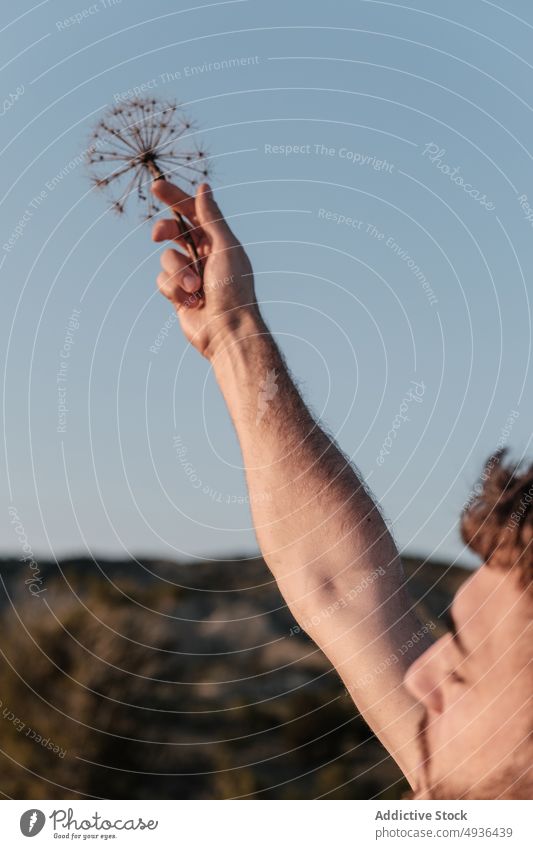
(424, 677)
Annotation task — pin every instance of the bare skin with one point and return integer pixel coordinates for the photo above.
(477, 689)
(319, 529)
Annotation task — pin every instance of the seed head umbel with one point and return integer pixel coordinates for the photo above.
(141, 140)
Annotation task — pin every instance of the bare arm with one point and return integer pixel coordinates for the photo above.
(318, 528)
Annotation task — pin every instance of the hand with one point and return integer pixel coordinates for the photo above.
(208, 309)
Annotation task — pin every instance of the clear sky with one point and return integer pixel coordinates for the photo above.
(392, 251)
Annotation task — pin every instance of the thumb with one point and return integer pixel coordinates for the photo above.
(211, 218)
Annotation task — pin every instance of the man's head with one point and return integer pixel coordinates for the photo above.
(476, 683)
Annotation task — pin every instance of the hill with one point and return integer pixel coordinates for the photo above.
(156, 679)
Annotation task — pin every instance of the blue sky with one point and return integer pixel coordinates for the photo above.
(373, 157)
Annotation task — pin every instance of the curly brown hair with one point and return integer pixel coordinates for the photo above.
(497, 522)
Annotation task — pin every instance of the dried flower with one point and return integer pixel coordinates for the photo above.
(144, 140)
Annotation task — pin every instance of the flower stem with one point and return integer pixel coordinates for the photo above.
(180, 221)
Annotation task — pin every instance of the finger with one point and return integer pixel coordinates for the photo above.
(166, 229)
(175, 198)
(169, 286)
(182, 268)
(210, 217)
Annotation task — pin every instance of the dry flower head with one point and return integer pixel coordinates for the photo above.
(140, 140)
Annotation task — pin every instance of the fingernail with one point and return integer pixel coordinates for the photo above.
(191, 282)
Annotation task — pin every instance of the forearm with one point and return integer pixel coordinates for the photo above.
(318, 528)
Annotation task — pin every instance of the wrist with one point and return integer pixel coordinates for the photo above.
(243, 324)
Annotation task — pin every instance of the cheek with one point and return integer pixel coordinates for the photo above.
(460, 732)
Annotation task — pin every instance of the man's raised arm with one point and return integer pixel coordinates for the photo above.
(319, 530)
